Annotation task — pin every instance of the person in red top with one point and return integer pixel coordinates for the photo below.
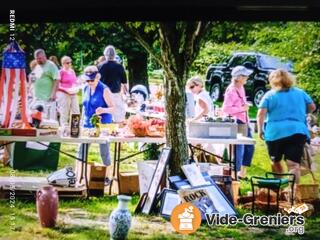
(67, 92)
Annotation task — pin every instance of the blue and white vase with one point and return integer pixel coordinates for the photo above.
(120, 219)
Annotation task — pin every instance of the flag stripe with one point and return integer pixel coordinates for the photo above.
(23, 91)
(15, 103)
(9, 98)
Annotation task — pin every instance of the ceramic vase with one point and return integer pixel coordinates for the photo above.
(120, 219)
(47, 206)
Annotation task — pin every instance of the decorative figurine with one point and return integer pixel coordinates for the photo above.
(37, 116)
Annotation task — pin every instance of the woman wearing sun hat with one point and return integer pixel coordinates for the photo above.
(96, 100)
(235, 104)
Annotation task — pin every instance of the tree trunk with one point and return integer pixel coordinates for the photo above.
(179, 45)
(176, 129)
(138, 69)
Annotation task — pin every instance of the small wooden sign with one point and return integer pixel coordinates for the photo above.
(75, 125)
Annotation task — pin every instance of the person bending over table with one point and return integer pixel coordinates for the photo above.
(286, 132)
(204, 104)
(96, 100)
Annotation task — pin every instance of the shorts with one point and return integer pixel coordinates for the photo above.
(291, 147)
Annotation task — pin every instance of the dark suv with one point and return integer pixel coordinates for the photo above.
(218, 76)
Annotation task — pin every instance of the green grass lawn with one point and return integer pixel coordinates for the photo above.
(88, 219)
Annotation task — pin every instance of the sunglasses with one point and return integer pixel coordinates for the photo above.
(90, 80)
(68, 62)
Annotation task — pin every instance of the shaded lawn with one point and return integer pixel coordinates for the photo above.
(88, 219)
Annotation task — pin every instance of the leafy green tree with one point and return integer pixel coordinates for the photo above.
(180, 43)
(83, 42)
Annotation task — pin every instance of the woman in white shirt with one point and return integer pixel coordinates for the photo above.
(204, 104)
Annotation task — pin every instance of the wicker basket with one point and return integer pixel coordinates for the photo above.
(139, 132)
(307, 192)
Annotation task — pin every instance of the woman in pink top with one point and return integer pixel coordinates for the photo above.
(67, 92)
(235, 104)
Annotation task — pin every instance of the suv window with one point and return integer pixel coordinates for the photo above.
(273, 63)
(241, 59)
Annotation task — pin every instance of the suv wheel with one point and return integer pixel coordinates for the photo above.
(215, 92)
(258, 94)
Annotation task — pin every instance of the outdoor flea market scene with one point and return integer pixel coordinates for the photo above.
(171, 130)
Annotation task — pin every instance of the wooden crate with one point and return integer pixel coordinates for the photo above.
(129, 183)
(26, 187)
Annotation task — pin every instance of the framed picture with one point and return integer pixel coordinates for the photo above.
(156, 179)
(177, 182)
(209, 199)
(140, 203)
(170, 199)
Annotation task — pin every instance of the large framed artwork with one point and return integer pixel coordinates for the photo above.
(156, 180)
(209, 199)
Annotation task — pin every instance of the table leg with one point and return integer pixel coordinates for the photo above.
(82, 164)
(235, 163)
(118, 166)
(233, 155)
(85, 160)
(230, 158)
(114, 166)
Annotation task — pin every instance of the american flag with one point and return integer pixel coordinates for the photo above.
(13, 85)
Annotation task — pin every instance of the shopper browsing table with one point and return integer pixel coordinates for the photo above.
(96, 100)
(284, 108)
(114, 76)
(235, 104)
(67, 92)
(204, 104)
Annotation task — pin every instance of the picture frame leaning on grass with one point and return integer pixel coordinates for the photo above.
(148, 203)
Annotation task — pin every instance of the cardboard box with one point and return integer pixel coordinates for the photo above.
(200, 129)
(235, 187)
(24, 132)
(307, 192)
(129, 182)
(96, 174)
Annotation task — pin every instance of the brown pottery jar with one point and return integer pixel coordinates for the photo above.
(47, 206)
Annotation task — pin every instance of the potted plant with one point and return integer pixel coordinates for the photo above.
(95, 121)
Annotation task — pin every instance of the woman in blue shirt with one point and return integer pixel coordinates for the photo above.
(284, 107)
(96, 100)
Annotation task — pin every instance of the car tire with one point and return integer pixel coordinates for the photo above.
(215, 92)
(258, 94)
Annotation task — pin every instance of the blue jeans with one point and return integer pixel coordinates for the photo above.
(244, 153)
(104, 153)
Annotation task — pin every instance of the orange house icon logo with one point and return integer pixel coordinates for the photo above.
(186, 218)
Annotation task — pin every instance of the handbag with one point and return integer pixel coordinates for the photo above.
(243, 129)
